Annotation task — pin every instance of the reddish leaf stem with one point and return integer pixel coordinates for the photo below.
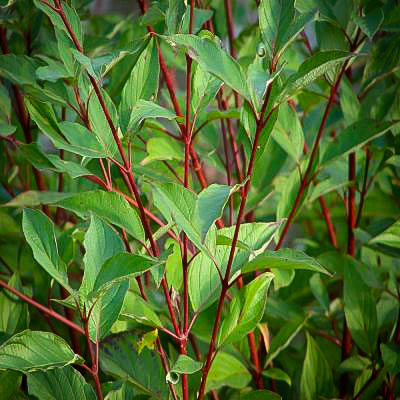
(24, 119)
(364, 189)
(225, 284)
(328, 220)
(305, 181)
(47, 311)
(94, 359)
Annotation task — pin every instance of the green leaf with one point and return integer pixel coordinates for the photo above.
(99, 123)
(33, 198)
(212, 58)
(371, 22)
(162, 148)
(201, 16)
(6, 129)
(284, 336)
(210, 204)
(360, 309)
(53, 71)
(101, 243)
(144, 110)
(147, 341)
(82, 141)
(284, 259)
(326, 186)
(85, 62)
(14, 314)
(110, 206)
(56, 20)
(349, 102)
(174, 15)
(313, 67)
(10, 383)
(288, 132)
(19, 69)
(245, 310)
(31, 351)
(143, 81)
(106, 310)
(140, 311)
(204, 89)
(194, 214)
(354, 137)
(183, 365)
(60, 384)
(125, 392)
(389, 237)
(121, 267)
(278, 374)
(391, 357)
(316, 378)
(354, 363)
(5, 103)
(204, 282)
(40, 235)
(260, 395)
(279, 25)
(227, 370)
(319, 291)
(120, 358)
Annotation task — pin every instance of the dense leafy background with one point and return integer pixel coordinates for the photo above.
(94, 124)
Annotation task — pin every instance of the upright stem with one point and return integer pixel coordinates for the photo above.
(305, 181)
(364, 189)
(225, 284)
(185, 265)
(24, 120)
(351, 223)
(93, 358)
(328, 220)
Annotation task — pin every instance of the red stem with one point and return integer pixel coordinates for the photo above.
(351, 222)
(225, 283)
(44, 309)
(364, 189)
(305, 181)
(328, 220)
(94, 359)
(24, 120)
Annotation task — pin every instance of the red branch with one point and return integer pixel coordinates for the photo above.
(47, 311)
(225, 283)
(305, 181)
(24, 120)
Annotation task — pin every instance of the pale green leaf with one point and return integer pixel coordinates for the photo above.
(120, 359)
(284, 259)
(360, 309)
(214, 59)
(101, 243)
(278, 374)
(110, 206)
(316, 377)
(19, 69)
(183, 365)
(282, 339)
(313, 67)
(40, 234)
(354, 137)
(245, 310)
(227, 370)
(60, 384)
(143, 110)
(31, 351)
